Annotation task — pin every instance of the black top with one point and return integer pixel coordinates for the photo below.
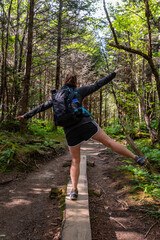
(83, 92)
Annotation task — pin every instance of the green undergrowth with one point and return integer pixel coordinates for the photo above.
(24, 151)
(45, 130)
(152, 152)
(140, 136)
(142, 180)
(142, 185)
(145, 187)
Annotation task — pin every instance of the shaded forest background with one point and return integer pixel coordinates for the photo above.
(41, 41)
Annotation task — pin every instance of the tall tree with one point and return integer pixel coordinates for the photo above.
(28, 60)
(59, 40)
(16, 85)
(149, 56)
(4, 91)
(127, 46)
(2, 63)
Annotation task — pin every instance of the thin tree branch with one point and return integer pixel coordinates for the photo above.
(108, 18)
(150, 229)
(131, 50)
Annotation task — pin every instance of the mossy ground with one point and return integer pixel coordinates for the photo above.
(24, 151)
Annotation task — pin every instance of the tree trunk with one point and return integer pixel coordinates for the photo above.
(44, 94)
(156, 75)
(40, 94)
(100, 108)
(119, 112)
(105, 113)
(147, 14)
(5, 98)
(2, 67)
(22, 44)
(28, 63)
(59, 39)
(16, 85)
(5, 60)
(153, 134)
(159, 131)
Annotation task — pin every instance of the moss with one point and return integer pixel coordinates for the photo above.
(23, 152)
(57, 192)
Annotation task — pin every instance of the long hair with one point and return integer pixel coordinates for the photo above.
(71, 79)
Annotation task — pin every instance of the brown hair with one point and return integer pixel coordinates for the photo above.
(71, 79)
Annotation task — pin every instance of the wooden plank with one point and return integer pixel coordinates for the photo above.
(77, 220)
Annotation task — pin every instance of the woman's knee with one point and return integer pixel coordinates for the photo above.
(75, 161)
(75, 154)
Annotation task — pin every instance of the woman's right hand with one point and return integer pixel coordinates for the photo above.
(19, 117)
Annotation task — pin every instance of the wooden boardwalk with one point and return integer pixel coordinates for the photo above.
(77, 220)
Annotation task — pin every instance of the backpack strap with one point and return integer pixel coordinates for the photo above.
(74, 100)
(71, 94)
(68, 88)
(85, 111)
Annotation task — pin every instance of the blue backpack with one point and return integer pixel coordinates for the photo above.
(67, 107)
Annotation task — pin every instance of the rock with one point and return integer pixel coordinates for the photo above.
(96, 191)
(91, 163)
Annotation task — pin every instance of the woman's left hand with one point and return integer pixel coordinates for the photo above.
(119, 69)
(19, 117)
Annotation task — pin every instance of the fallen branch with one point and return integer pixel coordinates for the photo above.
(118, 222)
(23, 162)
(139, 153)
(150, 229)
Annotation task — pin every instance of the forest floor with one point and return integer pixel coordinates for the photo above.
(27, 212)
(115, 212)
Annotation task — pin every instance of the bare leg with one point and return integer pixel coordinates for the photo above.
(75, 170)
(102, 137)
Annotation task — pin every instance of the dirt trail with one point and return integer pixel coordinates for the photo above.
(26, 212)
(114, 214)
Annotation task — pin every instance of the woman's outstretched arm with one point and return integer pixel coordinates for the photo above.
(86, 90)
(40, 108)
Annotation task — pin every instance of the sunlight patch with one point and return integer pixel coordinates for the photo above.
(17, 202)
(40, 190)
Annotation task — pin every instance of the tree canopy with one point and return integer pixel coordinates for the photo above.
(41, 41)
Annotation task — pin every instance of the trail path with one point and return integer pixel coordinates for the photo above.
(114, 213)
(26, 212)
(77, 220)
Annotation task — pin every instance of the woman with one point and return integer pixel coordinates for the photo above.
(85, 129)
